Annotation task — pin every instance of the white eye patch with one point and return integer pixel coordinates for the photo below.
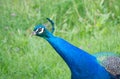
(40, 30)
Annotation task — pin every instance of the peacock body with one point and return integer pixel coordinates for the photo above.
(82, 65)
(110, 61)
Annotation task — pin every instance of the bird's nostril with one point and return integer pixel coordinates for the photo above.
(33, 33)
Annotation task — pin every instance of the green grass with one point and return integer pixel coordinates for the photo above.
(91, 25)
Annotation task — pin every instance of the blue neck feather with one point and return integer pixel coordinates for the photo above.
(81, 64)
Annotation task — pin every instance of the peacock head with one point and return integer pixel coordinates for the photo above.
(42, 31)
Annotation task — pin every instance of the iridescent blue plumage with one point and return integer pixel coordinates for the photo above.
(81, 64)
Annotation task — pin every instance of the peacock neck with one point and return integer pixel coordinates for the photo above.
(81, 64)
(71, 54)
(47, 35)
(62, 48)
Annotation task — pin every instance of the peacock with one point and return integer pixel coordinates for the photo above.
(81, 64)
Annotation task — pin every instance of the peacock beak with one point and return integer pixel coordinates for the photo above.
(33, 33)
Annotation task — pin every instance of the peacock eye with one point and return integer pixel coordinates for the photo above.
(40, 30)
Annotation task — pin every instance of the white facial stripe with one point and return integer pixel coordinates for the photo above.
(36, 30)
(41, 31)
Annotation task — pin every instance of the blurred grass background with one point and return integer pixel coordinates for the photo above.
(93, 26)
